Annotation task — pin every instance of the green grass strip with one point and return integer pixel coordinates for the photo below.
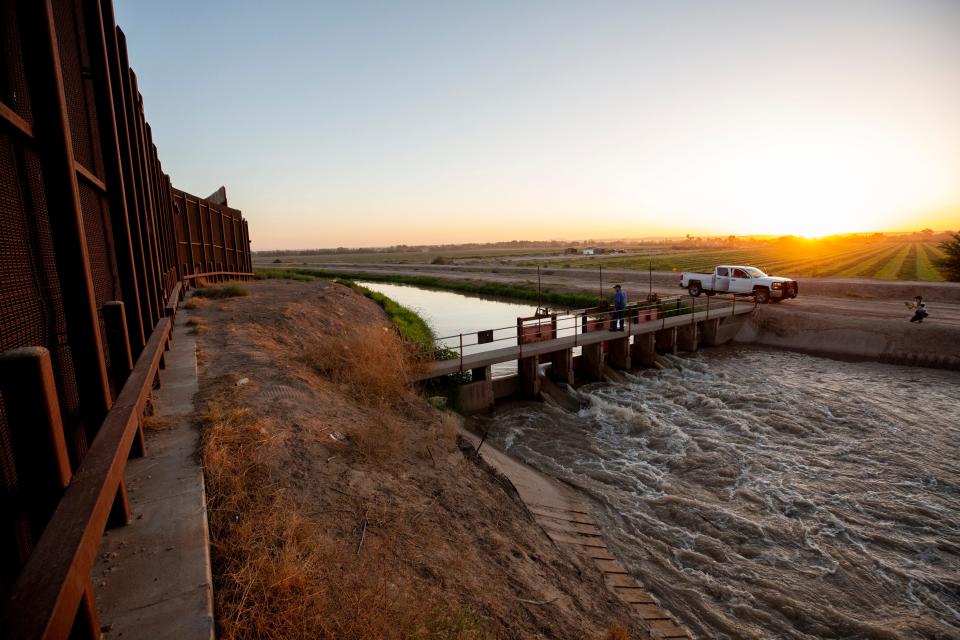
(411, 326)
(283, 274)
(226, 291)
(493, 289)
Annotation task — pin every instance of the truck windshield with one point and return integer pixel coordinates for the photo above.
(756, 273)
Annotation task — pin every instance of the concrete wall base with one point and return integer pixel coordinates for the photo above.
(643, 352)
(591, 362)
(688, 337)
(475, 397)
(618, 353)
(666, 340)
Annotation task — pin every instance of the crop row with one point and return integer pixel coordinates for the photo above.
(908, 260)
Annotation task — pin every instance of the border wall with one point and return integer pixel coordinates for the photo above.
(96, 248)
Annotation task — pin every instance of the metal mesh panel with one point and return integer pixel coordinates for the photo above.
(45, 269)
(100, 252)
(217, 229)
(13, 81)
(76, 83)
(193, 214)
(23, 319)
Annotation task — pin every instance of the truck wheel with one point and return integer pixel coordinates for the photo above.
(763, 295)
(694, 289)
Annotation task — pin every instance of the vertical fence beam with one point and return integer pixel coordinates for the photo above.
(36, 430)
(116, 49)
(149, 302)
(110, 145)
(52, 127)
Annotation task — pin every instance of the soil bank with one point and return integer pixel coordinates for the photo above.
(341, 504)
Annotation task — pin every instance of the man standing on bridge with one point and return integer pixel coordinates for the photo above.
(619, 305)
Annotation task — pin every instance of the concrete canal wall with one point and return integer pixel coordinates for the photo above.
(897, 341)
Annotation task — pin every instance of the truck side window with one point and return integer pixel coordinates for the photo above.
(723, 271)
(740, 273)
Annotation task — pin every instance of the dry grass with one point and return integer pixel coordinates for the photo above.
(370, 361)
(158, 423)
(197, 326)
(283, 573)
(195, 302)
(386, 533)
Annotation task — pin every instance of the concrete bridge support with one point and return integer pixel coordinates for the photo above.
(527, 369)
(643, 352)
(688, 337)
(561, 366)
(591, 362)
(666, 340)
(618, 353)
(711, 332)
(477, 396)
(721, 330)
(481, 373)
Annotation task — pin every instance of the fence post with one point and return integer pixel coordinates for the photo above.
(461, 353)
(36, 431)
(121, 359)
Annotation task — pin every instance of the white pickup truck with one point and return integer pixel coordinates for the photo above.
(740, 279)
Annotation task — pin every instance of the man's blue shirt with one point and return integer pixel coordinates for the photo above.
(620, 299)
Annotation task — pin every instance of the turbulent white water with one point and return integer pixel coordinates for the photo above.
(765, 494)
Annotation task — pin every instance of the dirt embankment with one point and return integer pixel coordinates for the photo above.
(340, 503)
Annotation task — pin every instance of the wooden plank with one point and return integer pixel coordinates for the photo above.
(651, 612)
(620, 580)
(596, 553)
(667, 629)
(570, 516)
(568, 527)
(45, 597)
(611, 566)
(587, 541)
(635, 595)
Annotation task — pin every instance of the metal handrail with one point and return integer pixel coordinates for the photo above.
(54, 579)
(574, 320)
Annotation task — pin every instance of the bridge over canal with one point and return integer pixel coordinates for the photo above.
(543, 344)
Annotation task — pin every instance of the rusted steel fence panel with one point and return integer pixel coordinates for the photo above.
(90, 226)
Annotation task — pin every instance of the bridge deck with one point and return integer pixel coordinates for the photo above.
(515, 352)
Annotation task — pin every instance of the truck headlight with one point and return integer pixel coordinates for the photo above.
(777, 285)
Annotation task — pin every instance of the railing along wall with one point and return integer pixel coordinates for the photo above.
(574, 322)
(96, 248)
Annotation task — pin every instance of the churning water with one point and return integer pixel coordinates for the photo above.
(766, 494)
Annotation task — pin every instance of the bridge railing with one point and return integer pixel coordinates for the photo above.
(548, 326)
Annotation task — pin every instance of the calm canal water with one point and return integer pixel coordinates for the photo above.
(760, 493)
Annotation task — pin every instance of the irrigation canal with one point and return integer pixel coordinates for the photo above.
(763, 493)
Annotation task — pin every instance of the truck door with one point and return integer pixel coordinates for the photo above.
(722, 281)
(740, 281)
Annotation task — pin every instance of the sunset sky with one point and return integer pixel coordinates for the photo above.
(368, 124)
